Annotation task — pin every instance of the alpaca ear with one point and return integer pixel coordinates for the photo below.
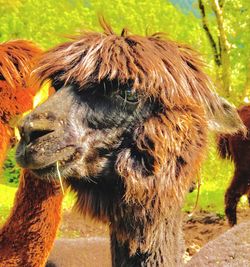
(225, 119)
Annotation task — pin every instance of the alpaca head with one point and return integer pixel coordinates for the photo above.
(16, 60)
(126, 108)
(15, 95)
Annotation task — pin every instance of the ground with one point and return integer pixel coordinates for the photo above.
(203, 227)
(198, 229)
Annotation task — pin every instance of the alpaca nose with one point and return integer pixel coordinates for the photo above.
(31, 131)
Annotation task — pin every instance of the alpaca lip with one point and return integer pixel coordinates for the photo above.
(35, 156)
(44, 159)
(50, 170)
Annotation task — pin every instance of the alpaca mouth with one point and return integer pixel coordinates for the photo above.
(49, 169)
(46, 170)
(44, 155)
(62, 165)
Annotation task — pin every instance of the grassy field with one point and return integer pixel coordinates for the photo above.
(215, 177)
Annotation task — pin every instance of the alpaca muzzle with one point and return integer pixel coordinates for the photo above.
(41, 145)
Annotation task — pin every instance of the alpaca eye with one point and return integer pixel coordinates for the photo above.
(57, 84)
(128, 95)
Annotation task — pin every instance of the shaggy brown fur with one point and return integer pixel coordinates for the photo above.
(158, 68)
(16, 96)
(128, 125)
(237, 148)
(28, 235)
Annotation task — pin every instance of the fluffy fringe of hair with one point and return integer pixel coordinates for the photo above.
(157, 67)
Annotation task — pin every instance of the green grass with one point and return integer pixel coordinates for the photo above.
(215, 176)
(7, 194)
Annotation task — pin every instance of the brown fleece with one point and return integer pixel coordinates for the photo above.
(237, 148)
(29, 233)
(16, 97)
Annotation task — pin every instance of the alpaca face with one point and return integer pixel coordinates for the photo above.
(84, 130)
(126, 106)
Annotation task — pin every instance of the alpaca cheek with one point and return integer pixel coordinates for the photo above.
(90, 165)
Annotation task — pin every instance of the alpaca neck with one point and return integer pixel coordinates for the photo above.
(28, 235)
(162, 246)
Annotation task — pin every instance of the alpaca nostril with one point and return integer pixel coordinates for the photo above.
(30, 129)
(38, 133)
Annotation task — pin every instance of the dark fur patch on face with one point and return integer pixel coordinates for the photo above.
(96, 124)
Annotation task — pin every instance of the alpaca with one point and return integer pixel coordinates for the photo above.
(28, 235)
(16, 96)
(237, 148)
(127, 130)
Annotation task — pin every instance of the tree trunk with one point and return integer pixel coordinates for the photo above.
(212, 42)
(225, 74)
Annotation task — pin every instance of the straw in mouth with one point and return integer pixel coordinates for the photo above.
(59, 176)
